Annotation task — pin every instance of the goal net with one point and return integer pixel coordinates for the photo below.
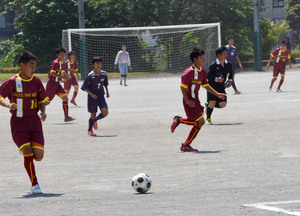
(151, 49)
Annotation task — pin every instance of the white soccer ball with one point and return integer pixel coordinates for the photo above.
(141, 183)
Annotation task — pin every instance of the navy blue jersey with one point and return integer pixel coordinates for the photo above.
(94, 83)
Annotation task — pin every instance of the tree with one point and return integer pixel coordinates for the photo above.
(293, 15)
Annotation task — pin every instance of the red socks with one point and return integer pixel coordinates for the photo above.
(66, 108)
(74, 95)
(192, 135)
(29, 166)
(280, 83)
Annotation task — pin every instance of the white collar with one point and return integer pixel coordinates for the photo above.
(218, 61)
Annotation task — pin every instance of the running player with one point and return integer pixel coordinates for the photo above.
(218, 72)
(93, 85)
(26, 96)
(71, 68)
(191, 80)
(123, 60)
(57, 74)
(281, 54)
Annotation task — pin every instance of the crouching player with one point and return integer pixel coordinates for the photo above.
(27, 96)
(191, 80)
(93, 85)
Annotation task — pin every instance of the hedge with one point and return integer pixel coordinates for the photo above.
(39, 69)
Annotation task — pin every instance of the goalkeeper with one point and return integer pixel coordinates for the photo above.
(123, 60)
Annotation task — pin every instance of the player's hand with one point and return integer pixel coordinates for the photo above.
(268, 65)
(241, 67)
(190, 103)
(221, 95)
(228, 84)
(221, 79)
(78, 77)
(43, 116)
(116, 66)
(107, 94)
(290, 66)
(94, 96)
(130, 68)
(12, 106)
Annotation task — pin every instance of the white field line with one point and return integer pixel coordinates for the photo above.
(265, 206)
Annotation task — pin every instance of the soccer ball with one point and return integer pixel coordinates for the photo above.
(141, 183)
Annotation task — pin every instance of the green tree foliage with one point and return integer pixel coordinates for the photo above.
(293, 14)
(41, 21)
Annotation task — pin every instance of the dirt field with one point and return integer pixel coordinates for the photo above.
(248, 162)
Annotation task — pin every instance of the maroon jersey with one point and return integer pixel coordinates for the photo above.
(27, 94)
(57, 67)
(71, 67)
(191, 79)
(281, 56)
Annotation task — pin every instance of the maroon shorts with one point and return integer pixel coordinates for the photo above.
(71, 82)
(193, 113)
(54, 88)
(27, 130)
(278, 68)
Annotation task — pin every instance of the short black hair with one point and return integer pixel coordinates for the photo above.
(230, 37)
(283, 42)
(97, 59)
(26, 56)
(60, 49)
(195, 53)
(220, 50)
(71, 53)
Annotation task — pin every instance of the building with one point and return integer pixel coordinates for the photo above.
(7, 29)
(274, 9)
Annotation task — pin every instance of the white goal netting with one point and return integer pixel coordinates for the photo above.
(151, 49)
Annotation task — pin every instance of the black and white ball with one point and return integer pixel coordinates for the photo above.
(141, 183)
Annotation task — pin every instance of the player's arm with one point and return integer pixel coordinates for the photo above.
(270, 60)
(106, 90)
(43, 111)
(214, 92)
(239, 61)
(90, 93)
(185, 96)
(289, 59)
(4, 103)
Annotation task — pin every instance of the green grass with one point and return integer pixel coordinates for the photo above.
(43, 76)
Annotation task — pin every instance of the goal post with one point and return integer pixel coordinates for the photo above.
(151, 49)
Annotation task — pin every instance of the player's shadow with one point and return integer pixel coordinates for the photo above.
(226, 124)
(76, 107)
(28, 196)
(140, 194)
(106, 136)
(208, 152)
(63, 123)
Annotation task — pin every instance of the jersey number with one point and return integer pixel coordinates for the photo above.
(33, 104)
(99, 84)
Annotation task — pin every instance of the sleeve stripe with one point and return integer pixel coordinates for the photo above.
(1, 97)
(44, 101)
(183, 86)
(52, 71)
(271, 54)
(205, 85)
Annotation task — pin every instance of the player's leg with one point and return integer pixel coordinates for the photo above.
(76, 87)
(275, 74)
(209, 110)
(282, 73)
(103, 108)
(125, 73)
(92, 109)
(51, 89)
(92, 121)
(186, 146)
(121, 72)
(67, 86)
(65, 103)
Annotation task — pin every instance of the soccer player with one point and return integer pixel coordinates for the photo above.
(57, 74)
(281, 54)
(191, 80)
(217, 74)
(26, 96)
(123, 60)
(71, 68)
(93, 85)
(232, 56)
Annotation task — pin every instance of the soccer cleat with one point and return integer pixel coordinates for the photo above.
(73, 102)
(69, 118)
(237, 92)
(208, 121)
(175, 123)
(278, 90)
(36, 189)
(187, 148)
(96, 125)
(91, 133)
(121, 82)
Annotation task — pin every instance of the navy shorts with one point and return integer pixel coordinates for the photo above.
(93, 104)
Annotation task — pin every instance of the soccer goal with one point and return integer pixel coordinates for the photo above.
(151, 49)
